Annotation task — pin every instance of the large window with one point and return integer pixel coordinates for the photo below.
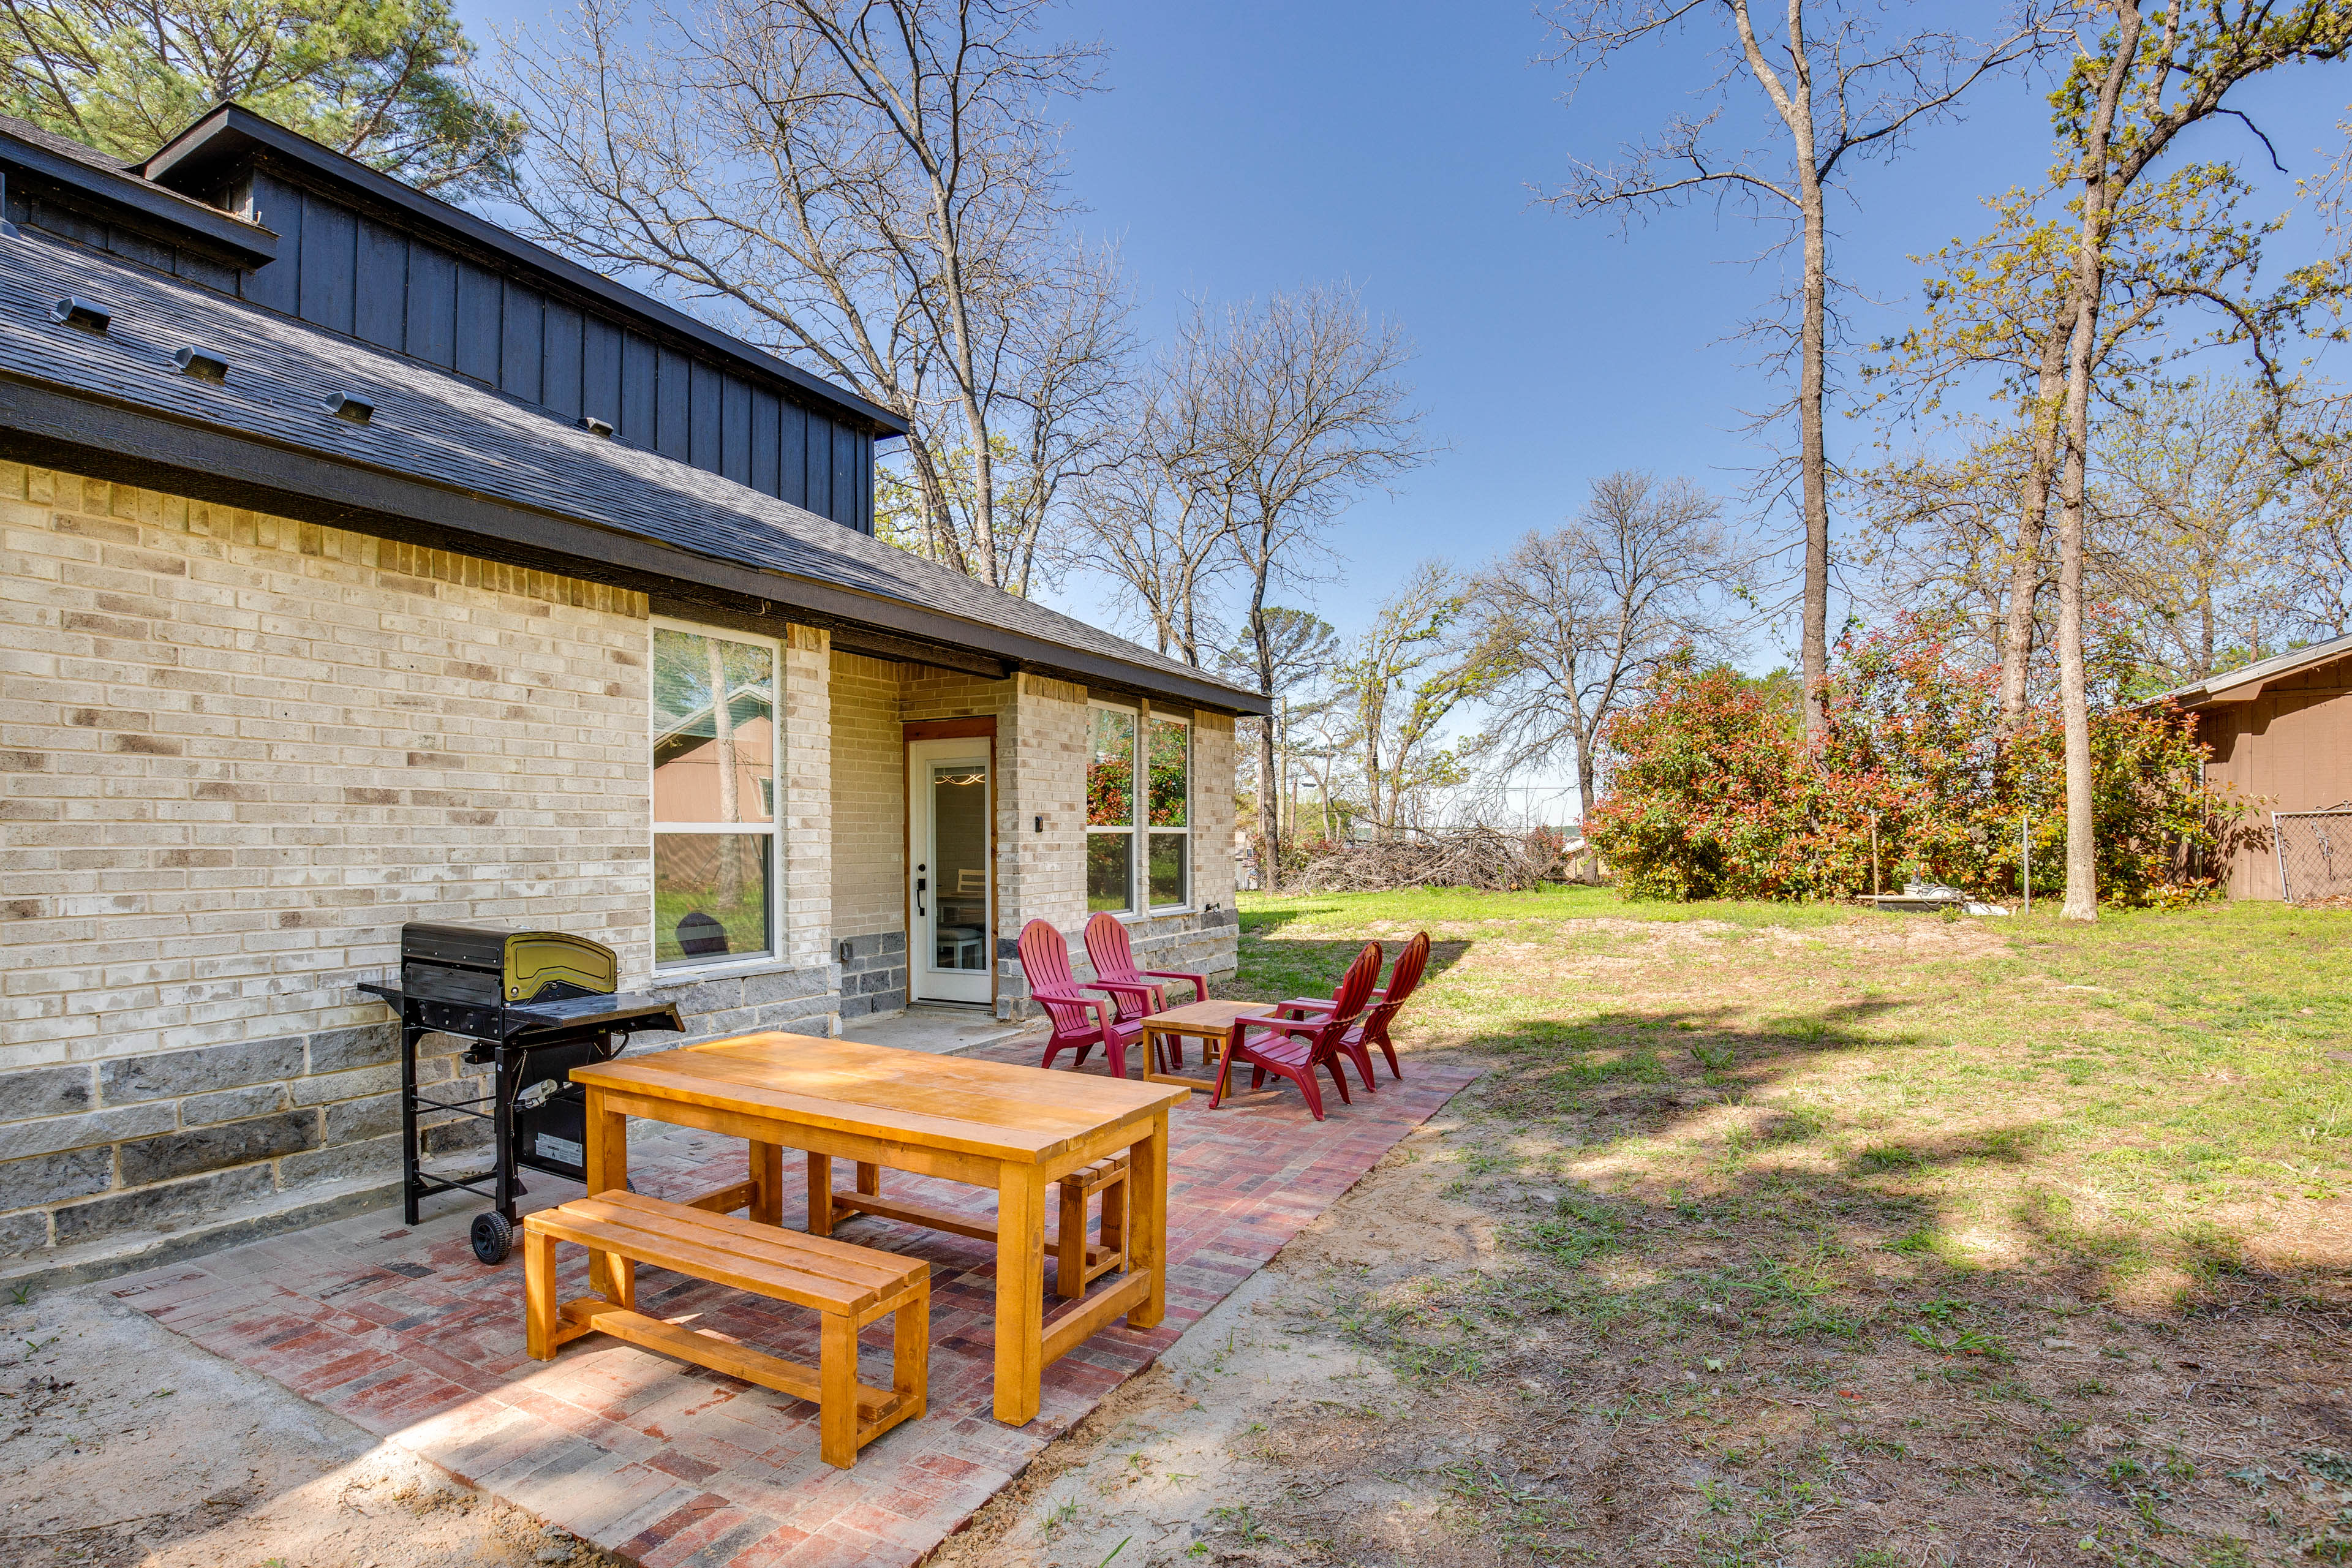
(714, 745)
(1131, 864)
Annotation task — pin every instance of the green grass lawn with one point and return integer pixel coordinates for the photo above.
(1732, 1156)
(2146, 1071)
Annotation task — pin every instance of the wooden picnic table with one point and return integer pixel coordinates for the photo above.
(1015, 1128)
(1205, 1021)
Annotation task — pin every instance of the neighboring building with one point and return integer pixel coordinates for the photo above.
(364, 563)
(2280, 733)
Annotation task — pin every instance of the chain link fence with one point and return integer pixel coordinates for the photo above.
(2314, 853)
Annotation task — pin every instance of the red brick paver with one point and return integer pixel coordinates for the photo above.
(405, 1334)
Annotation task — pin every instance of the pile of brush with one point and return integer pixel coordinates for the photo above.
(1483, 857)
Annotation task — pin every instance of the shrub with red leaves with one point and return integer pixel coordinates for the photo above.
(1714, 792)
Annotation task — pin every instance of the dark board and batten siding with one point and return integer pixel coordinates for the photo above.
(343, 271)
(340, 270)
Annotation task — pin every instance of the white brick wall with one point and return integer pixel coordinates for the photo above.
(237, 753)
(241, 751)
(1043, 875)
(869, 811)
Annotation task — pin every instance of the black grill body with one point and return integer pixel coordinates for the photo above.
(531, 1006)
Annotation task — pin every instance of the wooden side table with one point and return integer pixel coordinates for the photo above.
(1204, 1021)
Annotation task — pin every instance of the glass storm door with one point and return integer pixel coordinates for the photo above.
(948, 809)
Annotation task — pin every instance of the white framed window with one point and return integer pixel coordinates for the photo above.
(1138, 811)
(715, 745)
(1167, 812)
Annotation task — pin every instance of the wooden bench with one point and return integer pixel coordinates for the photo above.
(1077, 1261)
(850, 1286)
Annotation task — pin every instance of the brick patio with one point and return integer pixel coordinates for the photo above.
(403, 1332)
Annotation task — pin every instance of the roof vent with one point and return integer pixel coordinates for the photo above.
(343, 406)
(600, 429)
(200, 365)
(81, 313)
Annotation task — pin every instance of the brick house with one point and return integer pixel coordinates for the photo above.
(364, 563)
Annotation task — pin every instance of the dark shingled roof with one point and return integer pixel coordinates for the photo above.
(65, 146)
(455, 434)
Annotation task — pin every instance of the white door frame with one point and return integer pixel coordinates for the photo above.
(926, 983)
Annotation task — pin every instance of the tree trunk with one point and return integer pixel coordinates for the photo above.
(1814, 458)
(1588, 863)
(2033, 519)
(2073, 697)
(2090, 280)
(1269, 830)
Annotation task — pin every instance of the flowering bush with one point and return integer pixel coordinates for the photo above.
(1713, 791)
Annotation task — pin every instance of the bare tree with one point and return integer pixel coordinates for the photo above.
(1306, 659)
(1160, 520)
(1134, 524)
(1566, 624)
(2311, 539)
(1301, 407)
(1938, 536)
(2188, 487)
(870, 188)
(1403, 680)
(1843, 87)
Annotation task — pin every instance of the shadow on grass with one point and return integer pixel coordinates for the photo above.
(1694, 1212)
(1734, 1222)
(1271, 972)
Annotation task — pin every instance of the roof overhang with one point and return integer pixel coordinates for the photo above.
(183, 219)
(227, 134)
(50, 427)
(2248, 682)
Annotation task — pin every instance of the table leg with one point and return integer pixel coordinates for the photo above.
(767, 1183)
(1020, 1292)
(820, 1195)
(1146, 1226)
(1224, 1066)
(607, 1164)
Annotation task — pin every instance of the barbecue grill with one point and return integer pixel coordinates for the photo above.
(533, 1004)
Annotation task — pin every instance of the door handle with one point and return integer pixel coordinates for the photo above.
(921, 883)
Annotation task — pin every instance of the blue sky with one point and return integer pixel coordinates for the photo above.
(1241, 149)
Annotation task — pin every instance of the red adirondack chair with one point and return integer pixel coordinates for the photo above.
(1294, 1047)
(1373, 1029)
(1114, 962)
(1080, 1021)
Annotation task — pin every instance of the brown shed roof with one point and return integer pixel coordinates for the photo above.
(2246, 682)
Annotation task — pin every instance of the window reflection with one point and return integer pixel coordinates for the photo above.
(714, 759)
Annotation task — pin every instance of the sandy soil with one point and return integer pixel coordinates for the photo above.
(1193, 1461)
(127, 1447)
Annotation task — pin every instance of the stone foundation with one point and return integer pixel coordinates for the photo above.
(874, 975)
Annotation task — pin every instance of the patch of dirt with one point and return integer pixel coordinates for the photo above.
(127, 1447)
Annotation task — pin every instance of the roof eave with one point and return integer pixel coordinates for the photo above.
(229, 129)
(2248, 682)
(51, 426)
(247, 243)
